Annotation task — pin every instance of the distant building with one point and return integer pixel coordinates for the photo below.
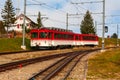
(18, 24)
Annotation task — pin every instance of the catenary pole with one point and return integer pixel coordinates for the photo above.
(67, 21)
(117, 35)
(24, 24)
(103, 30)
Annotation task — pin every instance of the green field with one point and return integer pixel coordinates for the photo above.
(105, 66)
(12, 44)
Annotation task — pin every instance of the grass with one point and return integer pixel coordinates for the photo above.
(108, 42)
(105, 65)
(12, 44)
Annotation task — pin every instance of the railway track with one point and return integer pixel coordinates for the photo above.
(16, 52)
(53, 70)
(17, 64)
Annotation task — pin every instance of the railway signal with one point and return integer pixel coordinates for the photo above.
(106, 29)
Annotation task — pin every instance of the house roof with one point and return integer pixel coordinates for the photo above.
(22, 15)
(31, 22)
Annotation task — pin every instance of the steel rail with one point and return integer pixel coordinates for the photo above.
(54, 68)
(49, 76)
(16, 52)
(72, 67)
(17, 64)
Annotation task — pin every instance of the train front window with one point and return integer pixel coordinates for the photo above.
(43, 35)
(34, 35)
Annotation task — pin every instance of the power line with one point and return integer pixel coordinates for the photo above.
(87, 2)
(77, 3)
(37, 4)
(51, 7)
(83, 14)
(112, 15)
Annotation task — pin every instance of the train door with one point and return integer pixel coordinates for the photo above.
(50, 37)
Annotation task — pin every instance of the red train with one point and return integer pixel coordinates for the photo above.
(56, 37)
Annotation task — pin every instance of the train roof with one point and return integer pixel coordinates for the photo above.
(53, 29)
(60, 30)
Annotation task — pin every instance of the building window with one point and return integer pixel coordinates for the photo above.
(18, 26)
(21, 18)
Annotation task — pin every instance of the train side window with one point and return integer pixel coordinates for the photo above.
(58, 36)
(55, 35)
(88, 38)
(43, 35)
(34, 35)
(66, 36)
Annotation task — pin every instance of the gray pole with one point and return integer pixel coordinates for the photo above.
(67, 21)
(103, 31)
(117, 36)
(96, 27)
(23, 44)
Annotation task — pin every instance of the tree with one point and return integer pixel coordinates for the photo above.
(114, 35)
(39, 22)
(8, 14)
(87, 25)
(2, 29)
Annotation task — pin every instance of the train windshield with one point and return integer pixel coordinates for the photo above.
(34, 35)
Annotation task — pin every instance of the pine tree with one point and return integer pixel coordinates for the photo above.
(8, 14)
(87, 25)
(39, 20)
(2, 29)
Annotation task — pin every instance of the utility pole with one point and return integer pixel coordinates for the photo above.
(96, 27)
(67, 21)
(117, 35)
(24, 24)
(103, 28)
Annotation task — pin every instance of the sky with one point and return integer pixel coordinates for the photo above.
(54, 13)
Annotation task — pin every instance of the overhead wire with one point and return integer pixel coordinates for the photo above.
(59, 11)
(51, 7)
(85, 9)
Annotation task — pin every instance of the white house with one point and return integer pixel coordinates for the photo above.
(18, 24)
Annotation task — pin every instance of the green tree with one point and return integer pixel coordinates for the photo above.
(87, 25)
(8, 14)
(2, 29)
(39, 22)
(114, 35)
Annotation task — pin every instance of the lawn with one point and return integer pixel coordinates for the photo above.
(12, 44)
(105, 66)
